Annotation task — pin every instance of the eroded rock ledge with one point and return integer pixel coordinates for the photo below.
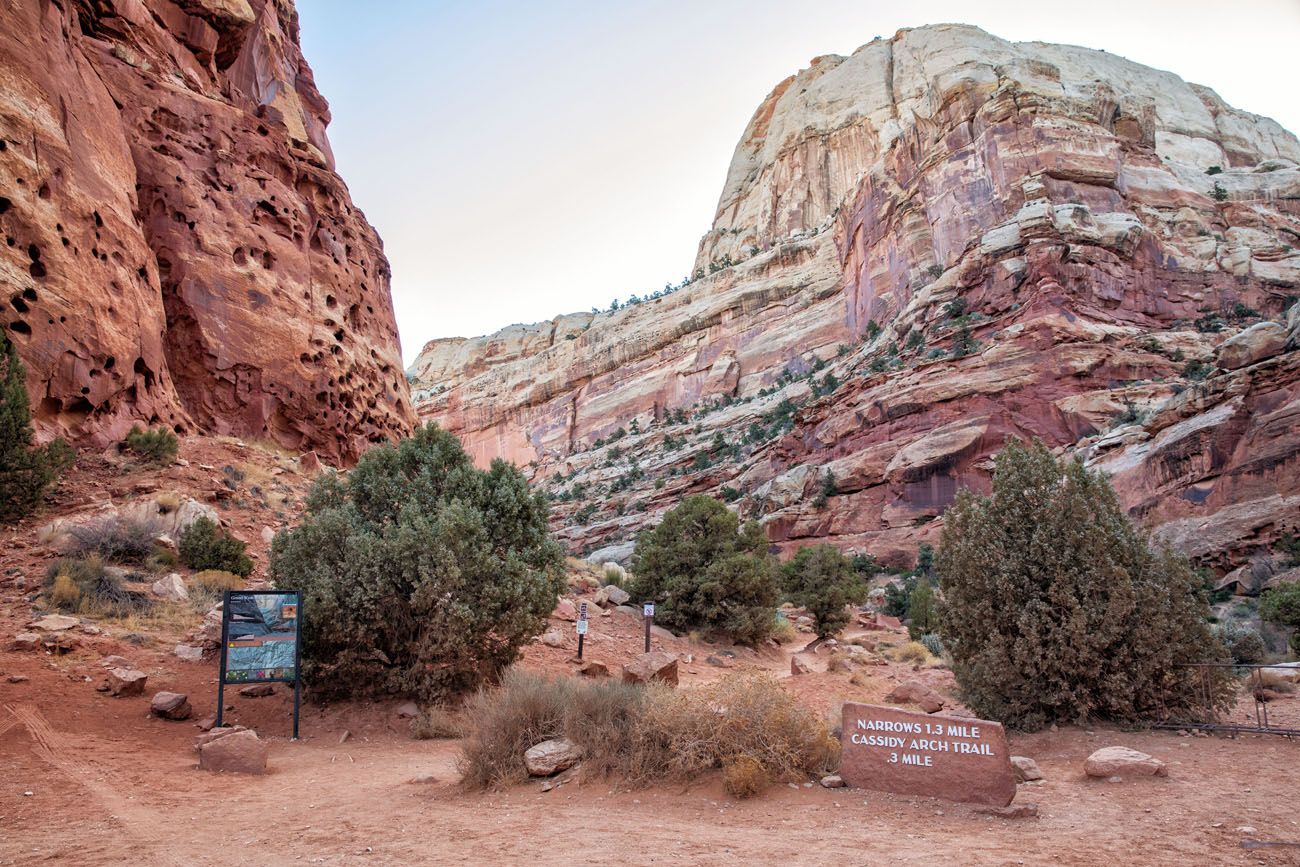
(178, 248)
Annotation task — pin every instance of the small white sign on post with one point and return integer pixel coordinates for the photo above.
(648, 609)
(582, 627)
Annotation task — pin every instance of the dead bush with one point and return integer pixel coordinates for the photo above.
(743, 777)
(913, 651)
(748, 726)
(207, 587)
(438, 722)
(839, 661)
(85, 586)
(115, 539)
(64, 593)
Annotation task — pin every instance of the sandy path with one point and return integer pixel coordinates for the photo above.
(127, 797)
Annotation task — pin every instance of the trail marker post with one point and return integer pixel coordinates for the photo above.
(581, 626)
(649, 611)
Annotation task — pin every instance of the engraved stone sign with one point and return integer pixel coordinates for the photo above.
(957, 758)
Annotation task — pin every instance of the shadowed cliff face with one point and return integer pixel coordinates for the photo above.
(178, 247)
(920, 250)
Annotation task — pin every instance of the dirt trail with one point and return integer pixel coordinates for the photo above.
(110, 785)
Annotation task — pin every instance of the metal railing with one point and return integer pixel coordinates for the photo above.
(1213, 721)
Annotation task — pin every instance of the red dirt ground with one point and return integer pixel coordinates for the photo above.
(89, 779)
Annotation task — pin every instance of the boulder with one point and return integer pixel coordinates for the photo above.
(551, 757)
(25, 641)
(655, 666)
(798, 666)
(914, 692)
(116, 662)
(1011, 811)
(616, 595)
(211, 733)
(171, 705)
(1122, 762)
(1026, 769)
(170, 587)
(833, 781)
(125, 682)
(565, 610)
(309, 463)
(258, 690)
(188, 652)
(553, 638)
(408, 710)
(241, 752)
(1258, 342)
(591, 668)
(55, 623)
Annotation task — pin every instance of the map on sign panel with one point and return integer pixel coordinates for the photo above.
(262, 637)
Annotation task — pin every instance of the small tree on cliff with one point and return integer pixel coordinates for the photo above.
(26, 471)
(822, 580)
(1057, 609)
(705, 571)
(421, 574)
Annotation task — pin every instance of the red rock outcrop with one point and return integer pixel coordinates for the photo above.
(178, 249)
(939, 242)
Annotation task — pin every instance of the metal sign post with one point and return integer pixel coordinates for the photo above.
(649, 611)
(581, 626)
(261, 642)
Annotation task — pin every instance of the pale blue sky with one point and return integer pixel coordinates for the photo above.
(526, 159)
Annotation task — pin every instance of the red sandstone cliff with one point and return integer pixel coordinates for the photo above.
(178, 248)
(941, 241)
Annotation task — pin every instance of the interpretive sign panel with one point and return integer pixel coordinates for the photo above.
(260, 635)
(910, 753)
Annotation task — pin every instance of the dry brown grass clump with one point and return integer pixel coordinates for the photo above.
(206, 587)
(748, 726)
(913, 651)
(438, 722)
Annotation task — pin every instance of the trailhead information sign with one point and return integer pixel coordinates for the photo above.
(261, 641)
(261, 631)
(958, 758)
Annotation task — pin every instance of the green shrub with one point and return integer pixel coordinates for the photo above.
(922, 612)
(707, 572)
(157, 446)
(822, 580)
(1057, 609)
(423, 575)
(26, 471)
(203, 545)
(1245, 645)
(1281, 607)
(1197, 370)
(827, 489)
(933, 643)
(898, 596)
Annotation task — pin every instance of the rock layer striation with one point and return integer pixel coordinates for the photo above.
(941, 241)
